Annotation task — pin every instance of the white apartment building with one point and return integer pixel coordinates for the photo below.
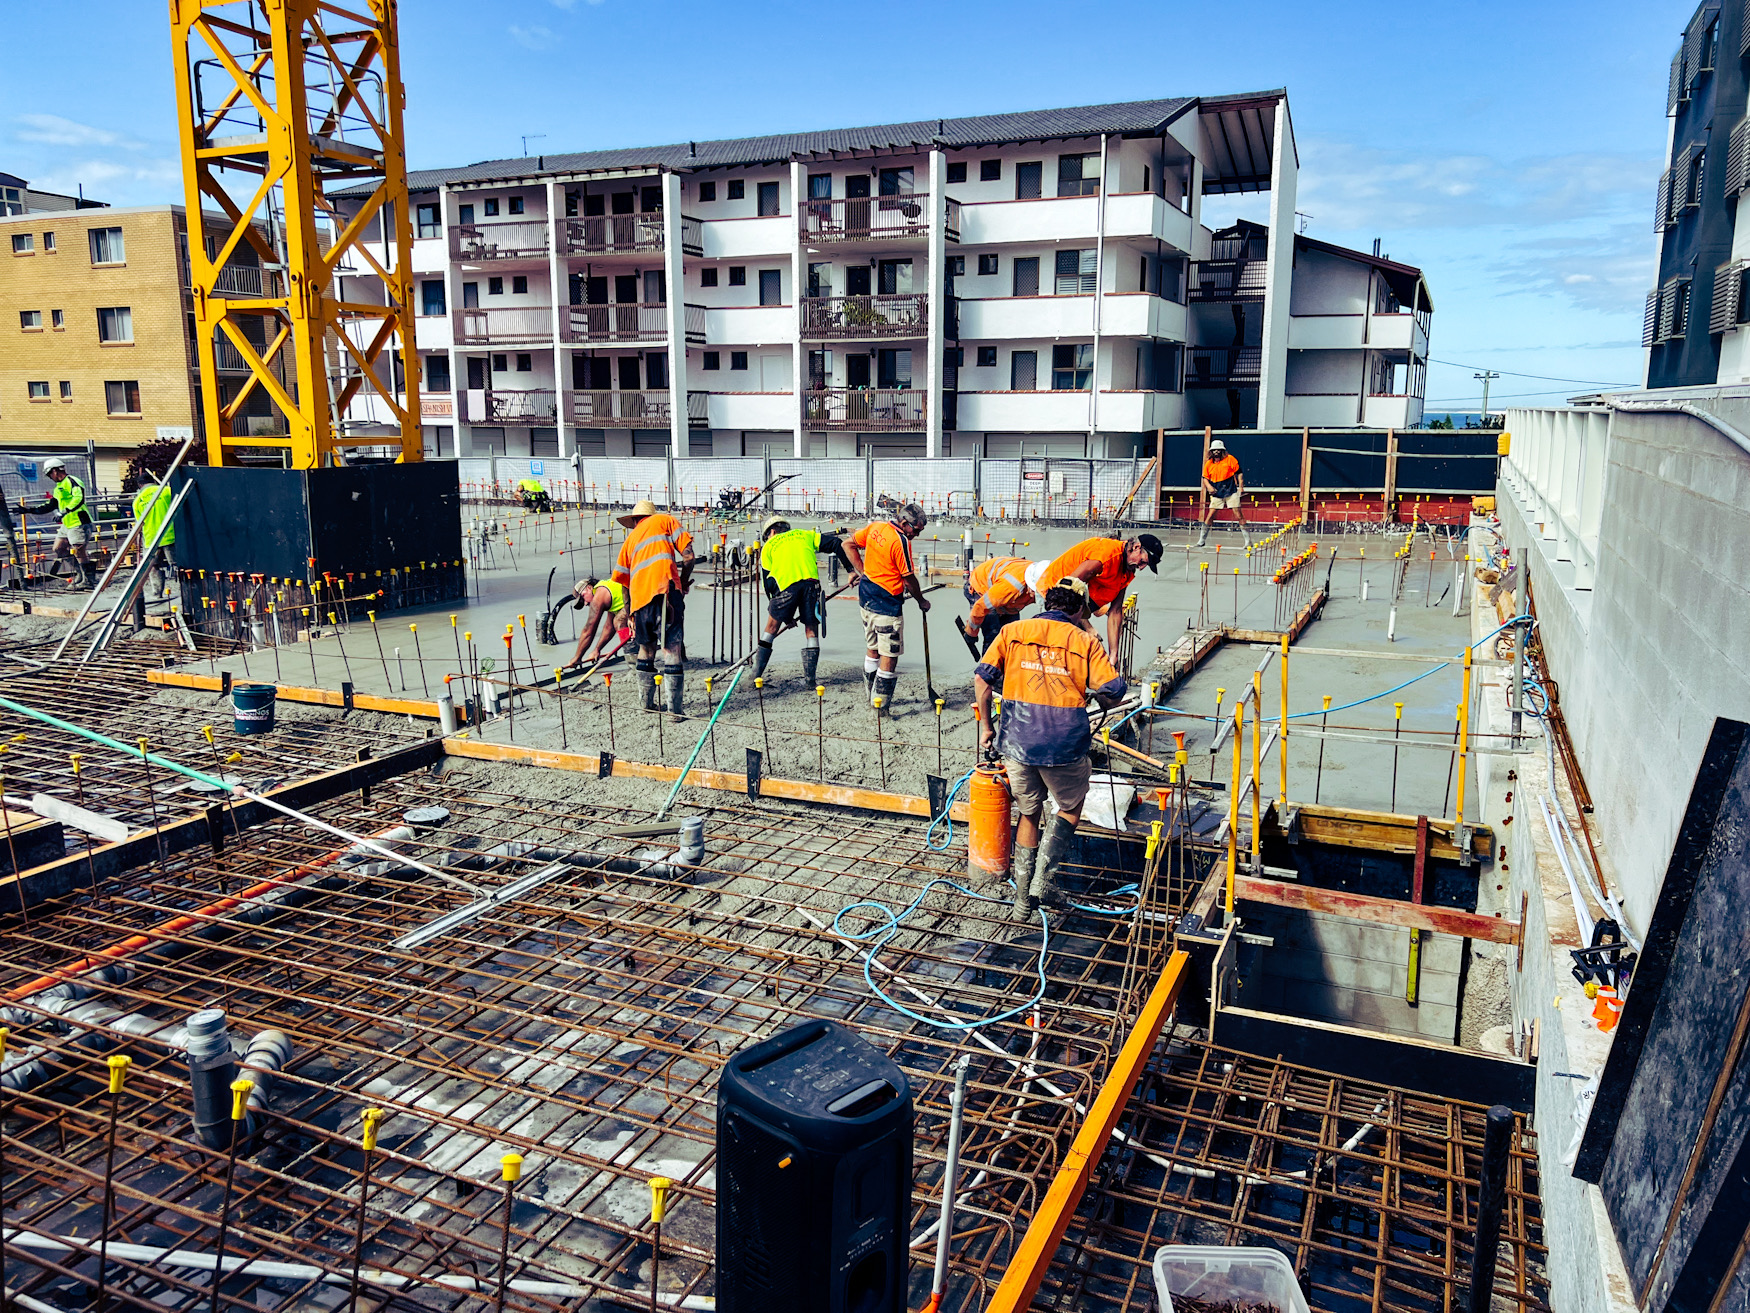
(1035, 283)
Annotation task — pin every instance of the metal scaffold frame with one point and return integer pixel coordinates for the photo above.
(296, 96)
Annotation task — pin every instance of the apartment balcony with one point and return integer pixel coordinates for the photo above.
(698, 410)
(905, 314)
(618, 410)
(1223, 367)
(614, 234)
(1227, 280)
(249, 282)
(868, 219)
(864, 410)
(482, 243)
(512, 324)
(520, 406)
(692, 235)
(1023, 412)
(743, 410)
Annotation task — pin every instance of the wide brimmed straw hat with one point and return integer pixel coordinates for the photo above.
(638, 512)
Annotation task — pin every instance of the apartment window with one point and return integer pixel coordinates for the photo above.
(954, 357)
(738, 275)
(650, 200)
(1697, 164)
(524, 362)
(738, 360)
(516, 204)
(23, 243)
(990, 170)
(57, 319)
(711, 360)
(893, 368)
(437, 373)
(470, 296)
(957, 266)
(987, 265)
(48, 241)
(66, 389)
(492, 207)
(1023, 371)
(819, 370)
(519, 284)
(30, 319)
(1029, 181)
(1078, 175)
(115, 324)
(1680, 312)
(495, 287)
(1026, 275)
(707, 278)
(893, 277)
(1075, 272)
(656, 371)
(431, 296)
(1072, 367)
(820, 186)
(121, 398)
(464, 215)
(38, 391)
(426, 217)
(500, 363)
(987, 357)
(819, 280)
(1743, 315)
(107, 246)
(737, 189)
(957, 171)
(655, 287)
(707, 191)
(1145, 179)
(895, 182)
(768, 198)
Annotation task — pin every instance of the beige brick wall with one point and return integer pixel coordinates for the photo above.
(149, 283)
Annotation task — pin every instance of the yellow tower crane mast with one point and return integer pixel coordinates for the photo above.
(283, 103)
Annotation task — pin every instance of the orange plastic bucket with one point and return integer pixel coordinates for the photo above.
(989, 840)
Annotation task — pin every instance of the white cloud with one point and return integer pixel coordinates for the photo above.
(535, 37)
(53, 130)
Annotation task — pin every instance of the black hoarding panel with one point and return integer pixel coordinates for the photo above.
(250, 521)
(385, 517)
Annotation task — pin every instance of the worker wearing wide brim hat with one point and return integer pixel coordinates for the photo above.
(790, 571)
(1224, 487)
(655, 565)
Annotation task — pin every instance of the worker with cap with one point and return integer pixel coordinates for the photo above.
(998, 589)
(67, 498)
(1048, 666)
(609, 602)
(533, 496)
(790, 570)
(1106, 566)
(1223, 487)
(881, 566)
(655, 565)
(151, 507)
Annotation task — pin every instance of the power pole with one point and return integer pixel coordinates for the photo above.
(1487, 376)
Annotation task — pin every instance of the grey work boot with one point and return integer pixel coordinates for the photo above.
(674, 683)
(1021, 867)
(1052, 848)
(811, 662)
(647, 683)
(881, 691)
(1203, 536)
(761, 658)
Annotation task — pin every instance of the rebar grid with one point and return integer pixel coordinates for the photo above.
(1370, 1192)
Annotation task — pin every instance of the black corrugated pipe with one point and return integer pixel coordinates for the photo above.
(212, 1066)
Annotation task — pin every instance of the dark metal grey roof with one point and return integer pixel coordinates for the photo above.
(1129, 118)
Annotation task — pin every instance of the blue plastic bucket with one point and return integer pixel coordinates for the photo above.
(252, 708)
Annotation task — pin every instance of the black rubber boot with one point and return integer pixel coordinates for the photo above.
(1021, 867)
(811, 661)
(674, 683)
(869, 681)
(1058, 833)
(762, 657)
(647, 682)
(881, 692)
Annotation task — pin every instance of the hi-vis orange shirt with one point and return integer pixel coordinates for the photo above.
(886, 566)
(1001, 583)
(1047, 666)
(1221, 471)
(1114, 576)
(649, 560)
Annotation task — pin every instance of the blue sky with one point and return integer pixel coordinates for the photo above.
(1510, 150)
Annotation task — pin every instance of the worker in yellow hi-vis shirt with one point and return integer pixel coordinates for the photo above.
(791, 570)
(151, 506)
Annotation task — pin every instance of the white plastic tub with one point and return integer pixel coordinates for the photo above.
(1217, 1272)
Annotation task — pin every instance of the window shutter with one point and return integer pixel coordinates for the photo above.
(1680, 179)
(1708, 55)
(1650, 323)
(1692, 42)
(1662, 211)
(1672, 89)
(1723, 314)
(1667, 310)
(1735, 159)
(1744, 31)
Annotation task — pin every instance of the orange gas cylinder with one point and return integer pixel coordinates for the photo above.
(988, 837)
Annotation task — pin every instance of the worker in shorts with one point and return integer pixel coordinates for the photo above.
(1224, 487)
(67, 498)
(1048, 666)
(655, 565)
(1106, 566)
(881, 565)
(610, 612)
(998, 590)
(151, 505)
(790, 570)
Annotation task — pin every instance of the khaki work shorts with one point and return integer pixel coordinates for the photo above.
(1067, 785)
(884, 635)
(76, 534)
(1229, 503)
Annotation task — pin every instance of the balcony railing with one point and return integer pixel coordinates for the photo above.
(249, 281)
(499, 241)
(863, 410)
(1227, 280)
(951, 229)
(694, 323)
(618, 410)
(903, 315)
(605, 234)
(1223, 366)
(692, 235)
(698, 410)
(531, 404)
(627, 321)
(866, 218)
(511, 324)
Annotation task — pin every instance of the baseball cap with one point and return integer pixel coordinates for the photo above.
(1151, 545)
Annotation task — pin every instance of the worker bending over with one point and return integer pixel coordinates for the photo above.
(67, 496)
(791, 574)
(998, 590)
(656, 566)
(881, 565)
(1224, 486)
(610, 611)
(533, 496)
(1048, 666)
(1107, 565)
(151, 506)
